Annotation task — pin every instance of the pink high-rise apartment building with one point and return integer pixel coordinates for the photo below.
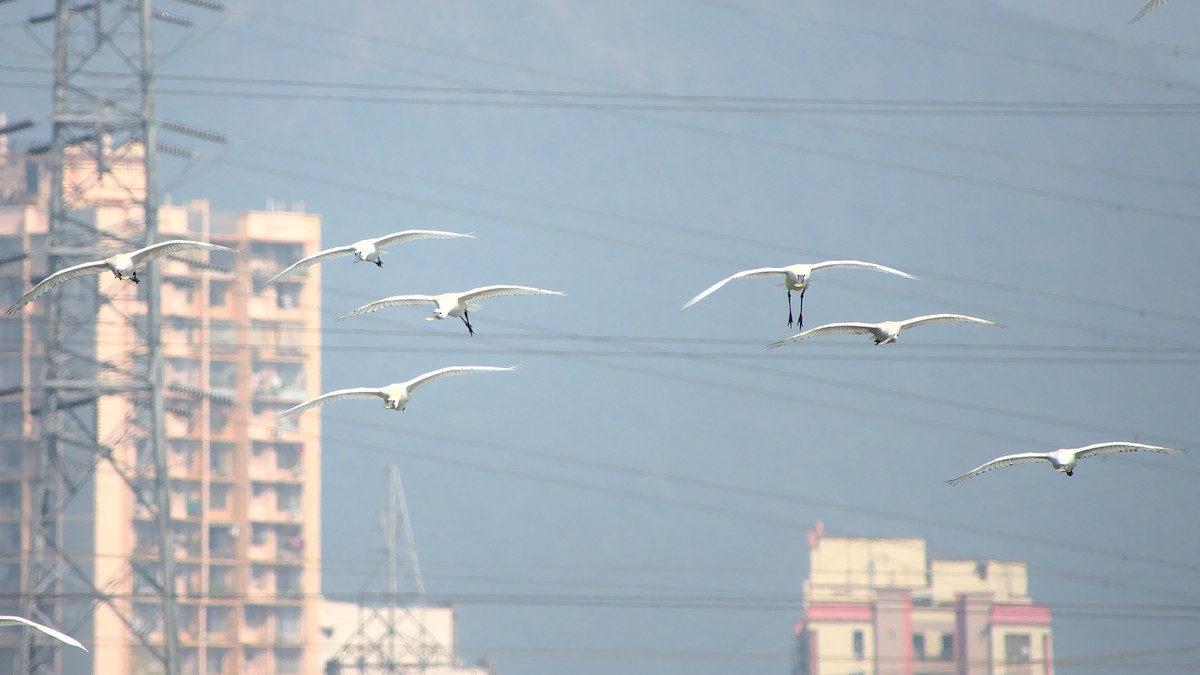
(244, 487)
(884, 607)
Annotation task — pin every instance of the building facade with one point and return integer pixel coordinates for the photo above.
(884, 607)
(244, 487)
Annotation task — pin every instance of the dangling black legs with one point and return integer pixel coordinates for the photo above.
(379, 263)
(466, 317)
(135, 279)
(800, 316)
(789, 308)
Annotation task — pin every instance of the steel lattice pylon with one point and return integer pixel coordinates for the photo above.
(102, 157)
(391, 637)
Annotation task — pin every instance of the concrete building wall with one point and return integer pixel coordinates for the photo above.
(1006, 580)
(846, 568)
(426, 640)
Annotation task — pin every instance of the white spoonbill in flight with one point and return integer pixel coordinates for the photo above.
(1145, 9)
(366, 250)
(57, 635)
(395, 396)
(122, 265)
(884, 332)
(1064, 459)
(451, 304)
(796, 278)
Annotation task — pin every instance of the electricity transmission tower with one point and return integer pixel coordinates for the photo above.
(391, 636)
(98, 412)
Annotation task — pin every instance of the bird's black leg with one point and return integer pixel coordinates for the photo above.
(135, 279)
(800, 316)
(1071, 472)
(466, 317)
(379, 263)
(789, 308)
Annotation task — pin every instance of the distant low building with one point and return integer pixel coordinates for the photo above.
(883, 607)
(355, 639)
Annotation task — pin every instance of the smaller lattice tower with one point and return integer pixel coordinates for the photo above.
(391, 636)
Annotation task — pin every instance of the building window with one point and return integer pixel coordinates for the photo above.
(859, 646)
(222, 334)
(11, 335)
(918, 640)
(947, 647)
(216, 660)
(1016, 648)
(218, 497)
(287, 661)
(218, 293)
(287, 295)
(12, 418)
(223, 375)
(10, 578)
(10, 497)
(220, 459)
(288, 627)
(287, 498)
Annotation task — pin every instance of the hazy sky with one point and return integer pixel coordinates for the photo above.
(634, 499)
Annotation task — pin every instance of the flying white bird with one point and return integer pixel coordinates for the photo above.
(884, 332)
(1146, 8)
(57, 635)
(395, 396)
(367, 250)
(1064, 459)
(451, 304)
(122, 265)
(796, 278)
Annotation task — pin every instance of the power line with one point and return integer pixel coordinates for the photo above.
(951, 47)
(551, 99)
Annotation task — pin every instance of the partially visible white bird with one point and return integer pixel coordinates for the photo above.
(884, 332)
(451, 304)
(1064, 459)
(395, 396)
(57, 635)
(796, 278)
(122, 265)
(366, 250)
(1146, 8)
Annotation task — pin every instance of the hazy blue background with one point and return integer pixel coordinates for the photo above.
(634, 499)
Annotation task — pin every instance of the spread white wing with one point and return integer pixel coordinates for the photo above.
(745, 274)
(1000, 462)
(411, 235)
(419, 380)
(843, 328)
(313, 259)
(1110, 448)
(59, 277)
(162, 248)
(1148, 6)
(393, 301)
(860, 265)
(359, 392)
(943, 318)
(57, 635)
(485, 292)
